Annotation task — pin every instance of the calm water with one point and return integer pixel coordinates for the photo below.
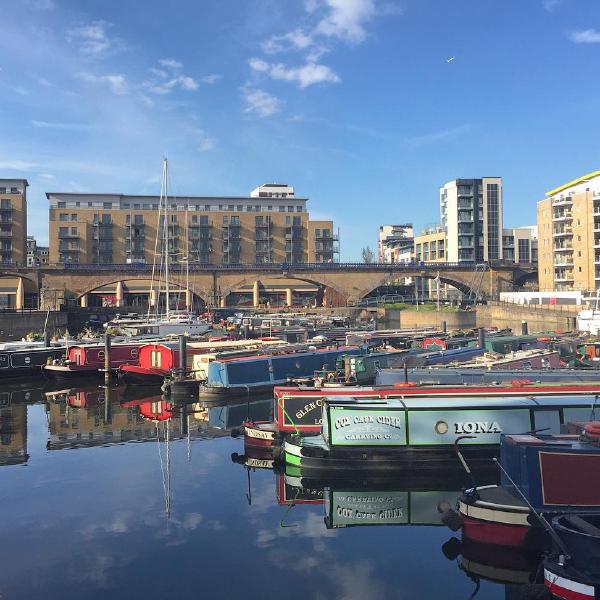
(168, 514)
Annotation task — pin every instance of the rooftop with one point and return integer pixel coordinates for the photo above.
(581, 179)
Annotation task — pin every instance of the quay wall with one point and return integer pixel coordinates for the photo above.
(16, 325)
(538, 318)
(462, 319)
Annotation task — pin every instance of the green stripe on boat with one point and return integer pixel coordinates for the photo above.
(293, 460)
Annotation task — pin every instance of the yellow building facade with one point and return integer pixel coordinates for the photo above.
(569, 236)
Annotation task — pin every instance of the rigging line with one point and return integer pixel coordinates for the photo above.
(154, 260)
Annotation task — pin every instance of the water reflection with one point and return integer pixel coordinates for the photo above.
(149, 481)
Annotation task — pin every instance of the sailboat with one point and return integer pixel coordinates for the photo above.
(588, 319)
(171, 322)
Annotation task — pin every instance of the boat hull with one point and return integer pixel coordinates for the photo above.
(134, 375)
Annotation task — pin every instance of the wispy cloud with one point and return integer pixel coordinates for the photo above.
(308, 74)
(260, 103)
(346, 19)
(210, 79)
(585, 36)
(169, 78)
(204, 141)
(294, 40)
(93, 39)
(66, 126)
(435, 137)
(550, 5)
(17, 165)
(44, 82)
(116, 82)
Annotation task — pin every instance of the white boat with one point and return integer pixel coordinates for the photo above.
(171, 322)
(588, 319)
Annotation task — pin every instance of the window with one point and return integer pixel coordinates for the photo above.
(13, 190)
(297, 221)
(77, 203)
(58, 204)
(203, 219)
(207, 207)
(298, 209)
(89, 204)
(194, 218)
(240, 208)
(288, 220)
(270, 208)
(73, 217)
(235, 220)
(63, 217)
(290, 209)
(225, 220)
(107, 205)
(73, 230)
(282, 209)
(230, 207)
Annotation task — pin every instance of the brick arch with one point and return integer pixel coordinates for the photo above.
(316, 280)
(462, 286)
(31, 278)
(158, 282)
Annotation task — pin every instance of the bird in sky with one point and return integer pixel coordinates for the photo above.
(449, 60)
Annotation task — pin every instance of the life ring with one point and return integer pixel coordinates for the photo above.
(591, 430)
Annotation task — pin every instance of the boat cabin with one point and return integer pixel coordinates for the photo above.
(94, 355)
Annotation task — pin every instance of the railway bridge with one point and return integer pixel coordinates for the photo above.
(336, 284)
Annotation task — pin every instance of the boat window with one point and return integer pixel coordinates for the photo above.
(156, 358)
(101, 354)
(134, 353)
(548, 420)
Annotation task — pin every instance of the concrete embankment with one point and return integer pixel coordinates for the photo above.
(16, 325)
(494, 314)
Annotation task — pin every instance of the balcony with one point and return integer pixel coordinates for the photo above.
(6, 234)
(6, 209)
(563, 248)
(564, 261)
(562, 201)
(563, 276)
(66, 235)
(564, 231)
(327, 238)
(562, 216)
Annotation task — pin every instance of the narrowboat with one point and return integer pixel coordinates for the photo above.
(554, 474)
(483, 376)
(575, 576)
(157, 360)
(26, 359)
(421, 432)
(87, 360)
(298, 409)
(240, 377)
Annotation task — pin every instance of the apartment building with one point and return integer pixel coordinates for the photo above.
(520, 244)
(471, 214)
(36, 255)
(272, 225)
(569, 236)
(13, 222)
(396, 243)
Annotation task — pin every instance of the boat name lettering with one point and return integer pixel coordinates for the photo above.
(360, 419)
(477, 427)
(308, 407)
(387, 513)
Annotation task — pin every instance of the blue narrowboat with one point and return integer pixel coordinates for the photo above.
(238, 377)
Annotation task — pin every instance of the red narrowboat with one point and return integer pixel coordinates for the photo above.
(88, 359)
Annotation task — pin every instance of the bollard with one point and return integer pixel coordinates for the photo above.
(46, 338)
(481, 337)
(182, 356)
(524, 328)
(107, 359)
(444, 327)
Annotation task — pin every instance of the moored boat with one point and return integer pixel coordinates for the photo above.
(26, 359)
(87, 360)
(391, 434)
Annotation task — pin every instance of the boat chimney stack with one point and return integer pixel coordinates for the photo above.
(481, 337)
(182, 356)
(524, 328)
(444, 327)
(46, 338)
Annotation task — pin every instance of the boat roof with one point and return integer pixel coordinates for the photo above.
(291, 353)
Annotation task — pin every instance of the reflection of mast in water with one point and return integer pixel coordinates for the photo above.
(165, 466)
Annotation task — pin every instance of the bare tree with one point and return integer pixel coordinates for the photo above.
(367, 255)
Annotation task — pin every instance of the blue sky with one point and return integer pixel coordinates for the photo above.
(353, 102)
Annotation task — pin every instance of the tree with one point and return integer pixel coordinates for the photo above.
(367, 255)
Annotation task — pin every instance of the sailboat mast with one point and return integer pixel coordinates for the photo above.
(166, 230)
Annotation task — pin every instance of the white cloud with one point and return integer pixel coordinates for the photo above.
(54, 125)
(294, 40)
(205, 142)
(17, 165)
(171, 63)
(585, 36)
(164, 81)
(346, 19)
(47, 176)
(116, 82)
(308, 74)
(93, 39)
(260, 103)
(43, 81)
(210, 79)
